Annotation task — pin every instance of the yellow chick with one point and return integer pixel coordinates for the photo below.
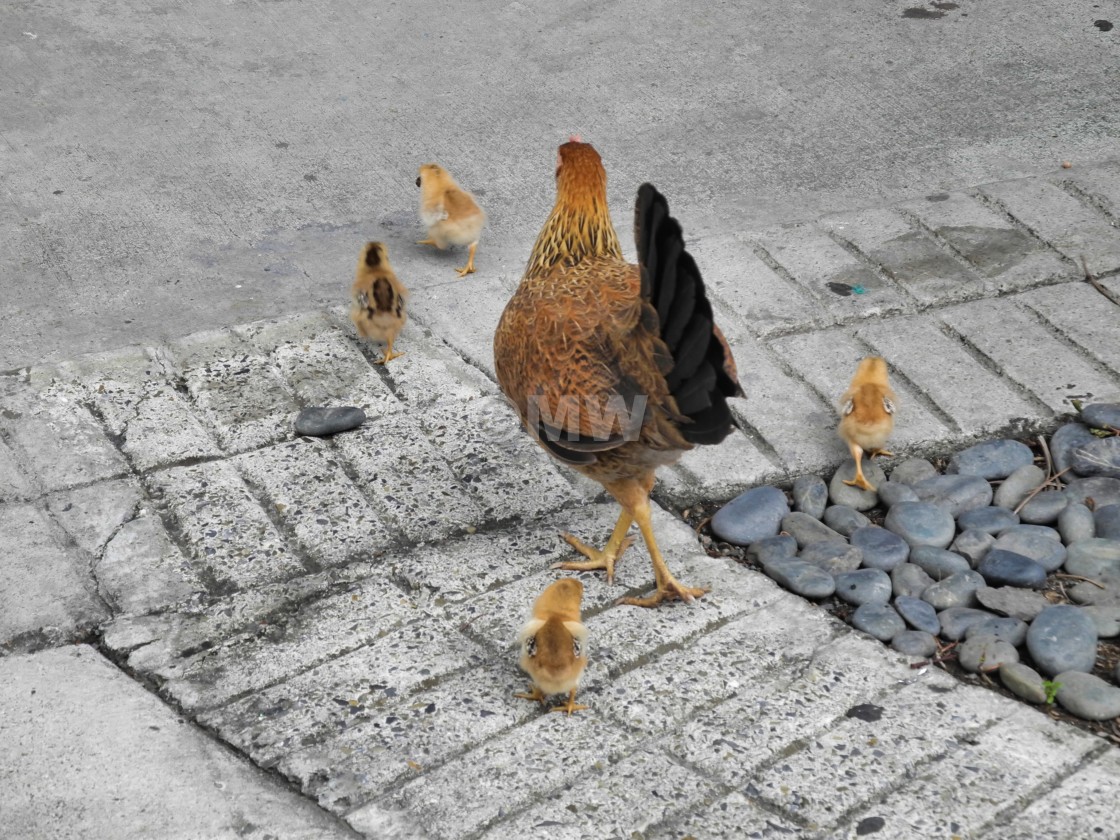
(377, 299)
(867, 415)
(554, 645)
(450, 213)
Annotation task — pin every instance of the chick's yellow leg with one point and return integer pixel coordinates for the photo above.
(428, 241)
(389, 354)
(571, 705)
(875, 453)
(469, 267)
(534, 695)
(859, 481)
(604, 558)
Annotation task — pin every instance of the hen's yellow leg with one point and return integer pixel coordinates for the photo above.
(668, 587)
(571, 705)
(469, 267)
(604, 558)
(859, 481)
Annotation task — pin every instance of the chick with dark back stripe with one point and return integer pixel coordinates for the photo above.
(377, 299)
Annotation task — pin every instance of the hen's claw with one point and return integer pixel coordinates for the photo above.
(597, 558)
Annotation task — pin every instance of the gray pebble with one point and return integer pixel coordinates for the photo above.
(1106, 618)
(1106, 521)
(881, 548)
(938, 563)
(893, 492)
(864, 586)
(957, 590)
(1007, 568)
(1094, 558)
(1076, 523)
(878, 620)
(1023, 604)
(807, 530)
(833, 557)
(918, 614)
(955, 493)
(955, 621)
(1102, 415)
(800, 577)
(913, 470)
(1044, 547)
(989, 519)
(920, 523)
(1023, 681)
(1087, 695)
(1100, 456)
(844, 494)
(992, 459)
(1044, 508)
(1011, 630)
(985, 653)
(1064, 441)
(1089, 593)
(844, 519)
(751, 516)
(1018, 486)
(915, 643)
(1102, 490)
(1062, 638)
(810, 495)
(318, 421)
(772, 548)
(973, 545)
(909, 580)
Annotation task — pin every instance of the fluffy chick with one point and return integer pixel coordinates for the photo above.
(867, 415)
(377, 299)
(450, 213)
(554, 645)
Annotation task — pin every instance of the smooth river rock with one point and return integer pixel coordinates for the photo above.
(803, 578)
(1023, 604)
(855, 497)
(1102, 415)
(1017, 486)
(318, 421)
(957, 590)
(753, 515)
(1087, 696)
(810, 495)
(1007, 568)
(920, 523)
(1023, 681)
(938, 563)
(772, 548)
(1062, 638)
(878, 620)
(1100, 456)
(955, 493)
(844, 519)
(990, 460)
(910, 580)
(833, 557)
(985, 652)
(807, 530)
(989, 519)
(1094, 558)
(1076, 522)
(918, 614)
(864, 586)
(1042, 547)
(882, 549)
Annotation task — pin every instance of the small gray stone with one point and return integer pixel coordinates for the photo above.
(1101, 489)
(1100, 456)
(1087, 695)
(1106, 618)
(920, 523)
(1007, 568)
(913, 470)
(973, 545)
(864, 586)
(1076, 523)
(803, 578)
(1062, 638)
(985, 653)
(1018, 486)
(807, 530)
(772, 548)
(1011, 630)
(833, 557)
(1023, 604)
(1044, 508)
(893, 492)
(1064, 441)
(1094, 558)
(855, 497)
(955, 621)
(810, 495)
(318, 421)
(878, 620)
(750, 516)
(1023, 681)
(1107, 593)
(915, 643)
(918, 614)
(1044, 547)
(1102, 415)
(881, 548)
(909, 580)
(844, 519)
(992, 459)
(955, 493)
(989, 519)
(957, 590)
(938, 563)
(1106, 521)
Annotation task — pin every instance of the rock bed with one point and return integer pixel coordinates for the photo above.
(1005, 564)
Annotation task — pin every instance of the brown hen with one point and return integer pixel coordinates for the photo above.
(615, 369)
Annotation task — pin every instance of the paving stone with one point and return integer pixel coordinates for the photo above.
(91, 515)
(1005, 256)
(233, 543)
(909, 256)
(733, 816)
(1079, 313)
(142, 570)
(14, 486)
(714, 472)
(954, 795)
(1082, 804)
(1073, 227)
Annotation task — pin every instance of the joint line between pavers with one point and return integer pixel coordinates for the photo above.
(913, 303)
(366, 349)
(1098, 203)
(998, 207)
(1065, 339)
(770, 261)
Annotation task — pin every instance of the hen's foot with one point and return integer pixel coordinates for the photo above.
(671, 590)
(598, 558)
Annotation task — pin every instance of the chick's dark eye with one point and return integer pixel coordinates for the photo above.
(417, 180)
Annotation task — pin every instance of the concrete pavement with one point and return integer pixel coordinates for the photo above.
(340, 613)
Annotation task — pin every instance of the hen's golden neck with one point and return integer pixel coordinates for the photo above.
(579, 226)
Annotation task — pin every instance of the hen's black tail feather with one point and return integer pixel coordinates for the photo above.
(671, 282)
